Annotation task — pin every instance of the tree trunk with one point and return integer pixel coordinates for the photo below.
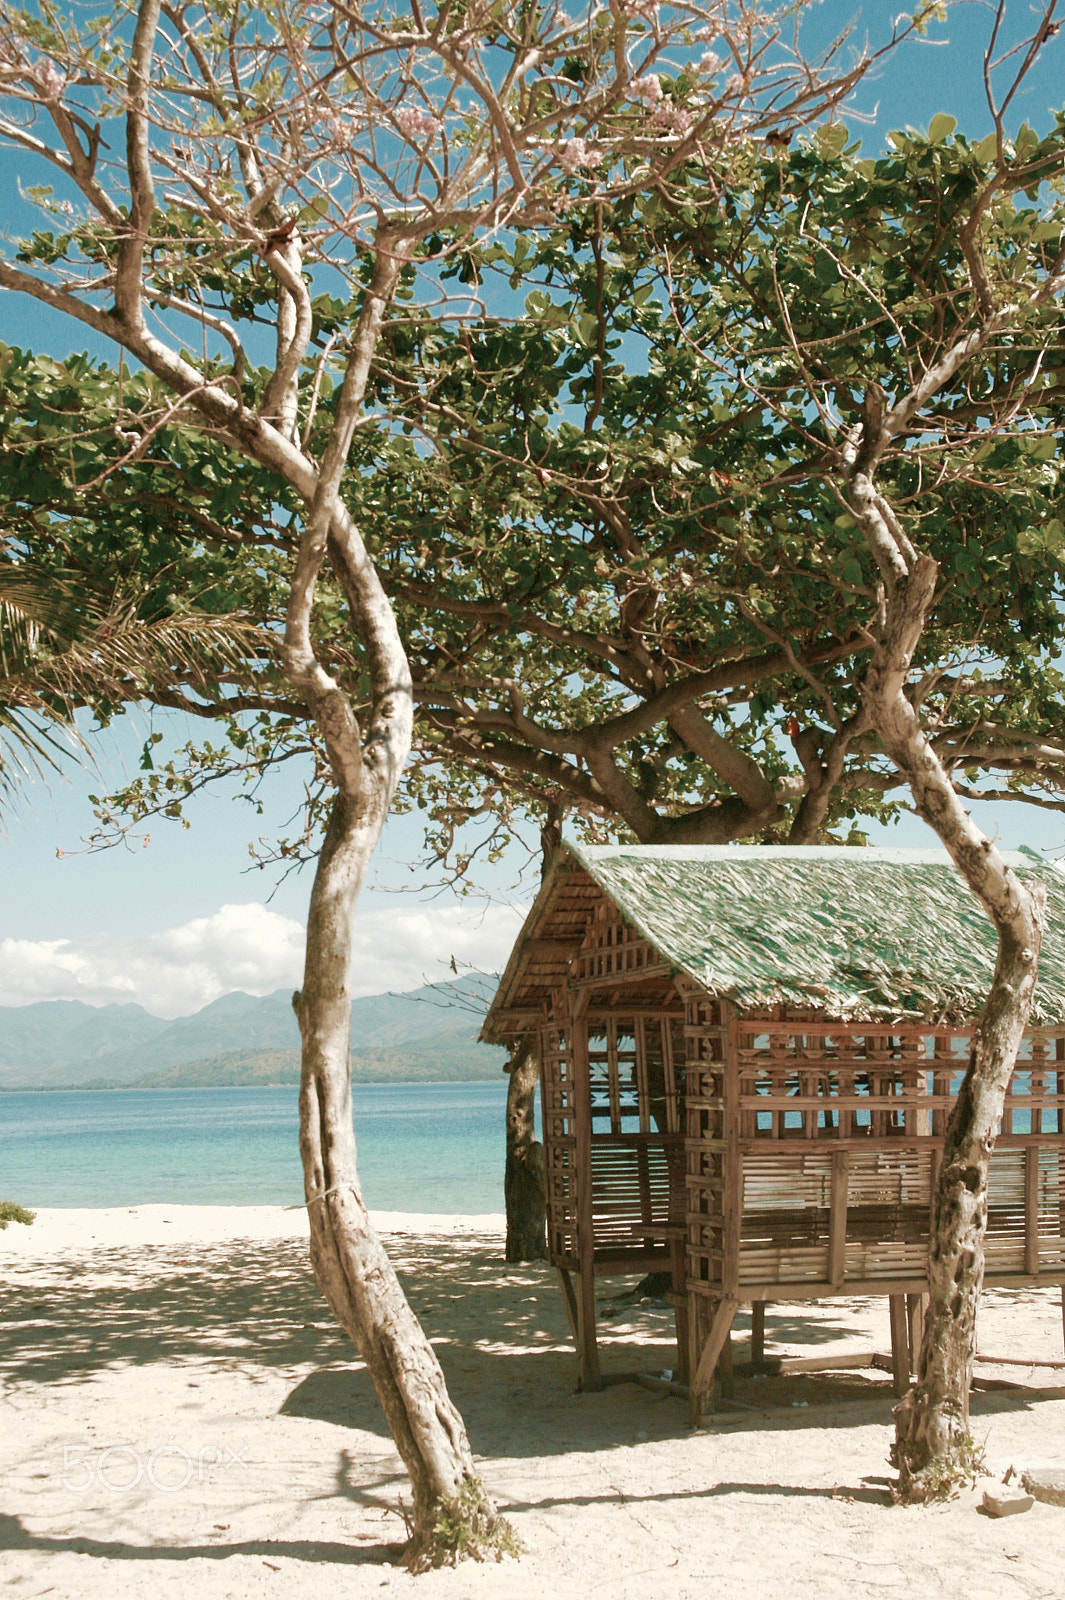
(933, 1446)
(524, 1181)
(451, 1514)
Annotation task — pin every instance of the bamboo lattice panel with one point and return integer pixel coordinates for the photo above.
(613, 952)
(840, 1131)
(635, 1138)
(636, 1086)
(822, 1082)
(558, 1113)
(706, 1143)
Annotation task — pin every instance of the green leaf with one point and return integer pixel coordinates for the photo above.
(315, 209)
(941, 127)
(832, 136)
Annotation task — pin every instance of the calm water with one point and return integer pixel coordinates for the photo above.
(422, 1147)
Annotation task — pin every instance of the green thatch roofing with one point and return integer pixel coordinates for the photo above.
(854, 932)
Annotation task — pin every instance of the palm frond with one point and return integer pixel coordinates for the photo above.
(66, 644)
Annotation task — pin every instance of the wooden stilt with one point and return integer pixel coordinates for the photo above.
(900, 1343)
(588, 1374)
(569, 1300)
(699, 1320)
(726, 1369)
(916, 1310)
(758, 1334)
(703, 1379)
(679, 1297)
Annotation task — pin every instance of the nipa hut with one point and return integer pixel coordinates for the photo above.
(748, 1056)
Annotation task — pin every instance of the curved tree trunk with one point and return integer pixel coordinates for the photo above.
(349, 1261)
(933, 1447)
(452, 1514)
(932, 1421)
(524, 1181)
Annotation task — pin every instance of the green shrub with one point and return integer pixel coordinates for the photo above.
(10, 1212)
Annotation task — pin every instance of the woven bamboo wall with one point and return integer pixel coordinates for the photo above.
(812, 1149)
(635, 1137)
(558, 1113)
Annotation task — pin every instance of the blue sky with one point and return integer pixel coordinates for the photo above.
(176, 923)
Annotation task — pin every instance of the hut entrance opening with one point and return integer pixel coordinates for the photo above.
(614, 1159)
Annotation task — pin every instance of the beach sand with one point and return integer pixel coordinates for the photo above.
(180, 1416)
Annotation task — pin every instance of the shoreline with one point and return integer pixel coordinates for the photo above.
(65, 1228)
(174, 1088)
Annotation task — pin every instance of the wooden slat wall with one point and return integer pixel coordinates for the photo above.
(558, 1112)
(634, 1141)
(840, 1134)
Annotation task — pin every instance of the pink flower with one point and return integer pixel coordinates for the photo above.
(576, 154)
(52, 81)
(671, 118)
(709, 63)
(647, 9)
(416, 123)
(647, 88)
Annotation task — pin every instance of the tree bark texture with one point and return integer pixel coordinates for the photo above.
(349, 1261)
(933, 1447)
(524, 1181)
(451, 1513)
(932, 1421)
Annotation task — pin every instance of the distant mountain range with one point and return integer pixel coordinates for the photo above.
(426, 1036)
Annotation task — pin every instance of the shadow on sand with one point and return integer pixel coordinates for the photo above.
(255, 1303)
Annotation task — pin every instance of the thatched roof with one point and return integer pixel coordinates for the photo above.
(854, 933)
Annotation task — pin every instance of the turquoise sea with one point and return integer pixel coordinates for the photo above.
(422, 1147)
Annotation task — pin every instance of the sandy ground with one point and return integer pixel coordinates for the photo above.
(179, 1416)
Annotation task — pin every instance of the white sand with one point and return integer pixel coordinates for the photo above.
(187, 1348)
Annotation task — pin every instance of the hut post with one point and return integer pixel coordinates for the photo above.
(733, 1165)
(588, 1374)
(715, 1192)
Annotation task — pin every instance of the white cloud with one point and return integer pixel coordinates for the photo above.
(401, 948)
(252, 948)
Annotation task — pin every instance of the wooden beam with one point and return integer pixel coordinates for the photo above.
(569, 1300)
(678, 1282)
(550, 949)
(837, 1218)
(732, 1199)
(900, 1343)
(758, 1333)
(849, 1363)
(703, 1377)
(1031, 1209)
(916, 1311)
(588, 1374)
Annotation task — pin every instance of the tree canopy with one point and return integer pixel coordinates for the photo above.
(629, 583)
